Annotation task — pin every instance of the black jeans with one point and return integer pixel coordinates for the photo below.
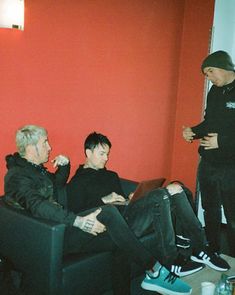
(159, 211)
(118, 239)
(217, 186)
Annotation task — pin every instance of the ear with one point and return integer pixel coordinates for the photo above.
(30, 149)
(88, 153)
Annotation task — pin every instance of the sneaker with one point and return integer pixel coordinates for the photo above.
(184, 267)
(213, 260)
(166, 283)
(187, 269)
(182, 242)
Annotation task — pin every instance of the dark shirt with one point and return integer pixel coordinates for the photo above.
(33, 188)
(219, 118)
(88, 186)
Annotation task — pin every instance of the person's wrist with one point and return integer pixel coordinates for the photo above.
(106, 199)
(78, 222)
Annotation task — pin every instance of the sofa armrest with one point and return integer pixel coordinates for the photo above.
(34, 247)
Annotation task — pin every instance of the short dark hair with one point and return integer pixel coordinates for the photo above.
(94, 139)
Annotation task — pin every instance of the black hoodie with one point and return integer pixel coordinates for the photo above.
(88, 186)
(219, 118)
(35, 189)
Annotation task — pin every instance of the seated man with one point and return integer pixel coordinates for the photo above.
(93, 185)
(29, 185)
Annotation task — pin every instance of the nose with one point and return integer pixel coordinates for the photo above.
(106, 158)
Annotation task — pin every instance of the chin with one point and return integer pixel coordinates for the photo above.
(219, 84)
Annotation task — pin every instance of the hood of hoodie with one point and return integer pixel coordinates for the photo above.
(19, 167)
(14, 161)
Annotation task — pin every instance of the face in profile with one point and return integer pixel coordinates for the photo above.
(42, 150)
(98, 157)
(218, 77)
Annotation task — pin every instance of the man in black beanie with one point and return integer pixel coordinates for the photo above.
(216, 133)
(219, 59)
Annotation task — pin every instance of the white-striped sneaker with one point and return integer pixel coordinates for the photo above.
(211, 259)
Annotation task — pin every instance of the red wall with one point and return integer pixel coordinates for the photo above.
(107, 65)
(198, 21)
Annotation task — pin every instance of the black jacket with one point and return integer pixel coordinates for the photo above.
(219, 118)
(35, 189)
(88, 186)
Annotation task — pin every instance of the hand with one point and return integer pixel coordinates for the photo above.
(210, 141)
(188, 134)
(113, 197)
(174, 188)
(90, 224)
(60, 161)
(130, 196)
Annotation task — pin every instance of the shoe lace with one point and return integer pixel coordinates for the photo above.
(171, 277)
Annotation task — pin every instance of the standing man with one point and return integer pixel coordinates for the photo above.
(93, 185)
(31, 187)
(216, 134)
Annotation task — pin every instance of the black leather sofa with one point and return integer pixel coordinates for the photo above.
(34, 248)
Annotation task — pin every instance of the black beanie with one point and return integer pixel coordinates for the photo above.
(219, 59)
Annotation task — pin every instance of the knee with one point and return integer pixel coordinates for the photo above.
(109, 212)
(110, 209)
(158, 196)
(174, 188)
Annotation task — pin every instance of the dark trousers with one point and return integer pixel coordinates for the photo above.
(217, 186)
(153, 212)
(118, 239)
(160, 212)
